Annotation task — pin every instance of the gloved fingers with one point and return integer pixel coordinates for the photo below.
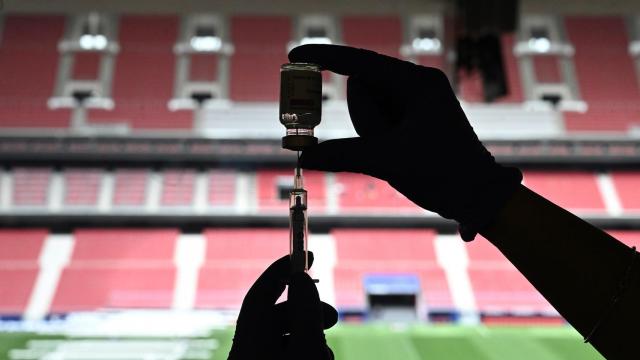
(358, 155)
(370, 110)
(281, 316)
(306, 317)
(349, 61)
(269, 286)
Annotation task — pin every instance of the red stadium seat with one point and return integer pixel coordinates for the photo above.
(629, 237)
(144, 75)
(626, 184)
(118, 268)
(512, 71)
(606, 75)
(383, 245)
(82, 187)
(15, 289)
(19, 254)
(124, 246)
(234, 260)
(178, 187)
(270, 181)
(93, 288)
(130, 187)
(31, 186)
(21, 246)
(256, 246)
(29, 48)
(502, 290)
(260, 47)
(364, 194)
(224, 286)
(576, 191)
(378, 33)
(222, 187)
(498, 286)
(470, 86)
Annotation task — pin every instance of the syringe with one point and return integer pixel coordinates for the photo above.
(298, 224)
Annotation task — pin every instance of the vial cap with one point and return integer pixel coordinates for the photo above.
(298, 142)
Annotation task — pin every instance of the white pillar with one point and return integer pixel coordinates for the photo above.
(325, 258)
(54, 257)
(452, 256)
(188, 258)
(246, 193)
(6, 190)
(201, 192)
(106, 191)
(609, 194)
(154, 191)
(56, 191)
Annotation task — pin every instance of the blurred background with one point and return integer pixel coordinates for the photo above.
(143, 186)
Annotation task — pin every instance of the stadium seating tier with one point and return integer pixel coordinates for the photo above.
(21, 245)
(498, 287)
(19, 257)
(359, 31)
(626, 185)
(82, 187)
(606, 76)
(260, 47)
(94, 288)
(144, 75)
(116, 246)
(363, 194)
(130, 187)
(31, 187)
(29, 48)
(573, 190)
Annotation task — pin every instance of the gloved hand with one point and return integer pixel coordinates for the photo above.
(290, 330)
(413, 134)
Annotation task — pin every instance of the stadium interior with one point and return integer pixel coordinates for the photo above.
(141, 172)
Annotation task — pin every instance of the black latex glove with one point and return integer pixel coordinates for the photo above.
(413, 134)
(290, 330)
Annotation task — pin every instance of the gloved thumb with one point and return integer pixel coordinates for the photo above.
(356, 154)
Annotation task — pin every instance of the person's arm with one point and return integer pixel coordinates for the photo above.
(414, 135)
(575, 266)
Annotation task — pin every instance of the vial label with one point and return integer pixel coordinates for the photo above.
(300, 98)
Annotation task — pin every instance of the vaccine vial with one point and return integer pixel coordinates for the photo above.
(300, 104)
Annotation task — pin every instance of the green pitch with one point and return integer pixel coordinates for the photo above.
(458, 343)
(438, 342)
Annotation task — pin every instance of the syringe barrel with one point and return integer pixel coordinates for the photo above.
(298, 232)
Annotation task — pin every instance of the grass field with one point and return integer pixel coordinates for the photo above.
(383, 342)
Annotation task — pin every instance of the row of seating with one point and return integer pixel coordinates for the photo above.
(82, 187)
(580, 191)
(143, 80)
(136, 268)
